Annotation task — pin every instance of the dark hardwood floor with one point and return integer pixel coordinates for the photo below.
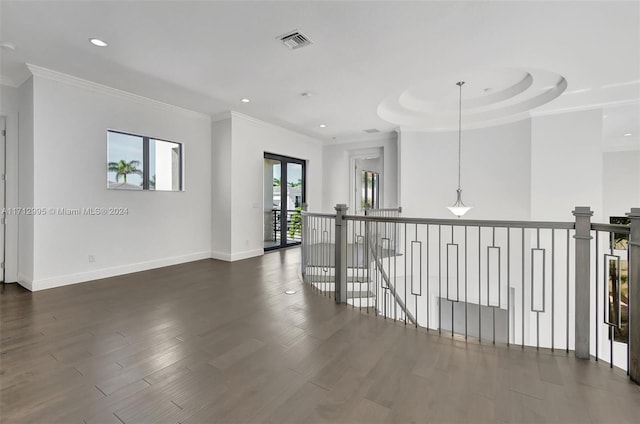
(216, 342)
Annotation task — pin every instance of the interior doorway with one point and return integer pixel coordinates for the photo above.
(370, 197)
(366, 180)
(284, 194)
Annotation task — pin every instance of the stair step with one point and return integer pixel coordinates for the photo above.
(331, 279)
(330, 286)
(320, 270)
(365, 302)
(357, 294)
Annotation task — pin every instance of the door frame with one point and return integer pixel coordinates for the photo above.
(284, 160)
(354, 156)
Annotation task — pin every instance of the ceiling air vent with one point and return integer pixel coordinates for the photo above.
(372, 131)
(295, 39)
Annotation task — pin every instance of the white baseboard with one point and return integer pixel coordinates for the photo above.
(81, 277)
(25, 281)
(221, 256)
(232, 257)
(246, 254)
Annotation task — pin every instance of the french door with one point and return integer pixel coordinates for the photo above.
(284, 194)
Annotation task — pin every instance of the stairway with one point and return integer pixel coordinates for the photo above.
(360, 292)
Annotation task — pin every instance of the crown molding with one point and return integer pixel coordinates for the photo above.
(381, 137)
(7, 82)
(222, 116)
(24, 77)
(49, 74)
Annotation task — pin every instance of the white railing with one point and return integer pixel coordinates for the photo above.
(556, 285)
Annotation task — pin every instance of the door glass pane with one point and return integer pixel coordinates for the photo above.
(272, 203)
(370, 190)
(293, 202)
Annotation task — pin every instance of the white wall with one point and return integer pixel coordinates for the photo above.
(250, 139)
(337, 171)
(221, 188)
(26, 225)
(495, 172)
(71, 118)
(566, 165)
(9, 108)
(621, 183)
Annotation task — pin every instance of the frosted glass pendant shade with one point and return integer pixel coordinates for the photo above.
(459, 208)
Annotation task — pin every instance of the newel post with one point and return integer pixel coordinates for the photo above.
(340, 269)
(583, 280)
(634, 295)
(305, 242)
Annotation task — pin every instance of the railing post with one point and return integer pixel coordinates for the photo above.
(341, 254)
(583, 280)
(634, 298)
(305, 242)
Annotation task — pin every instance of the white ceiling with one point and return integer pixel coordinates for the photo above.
(208, 55)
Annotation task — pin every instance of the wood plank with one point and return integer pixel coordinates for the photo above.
(212, 341)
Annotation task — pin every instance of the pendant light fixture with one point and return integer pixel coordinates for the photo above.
(459, 208)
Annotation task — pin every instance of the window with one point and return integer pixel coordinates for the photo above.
(142, 163)
(370, 190)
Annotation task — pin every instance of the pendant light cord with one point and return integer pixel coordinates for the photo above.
(459, 84)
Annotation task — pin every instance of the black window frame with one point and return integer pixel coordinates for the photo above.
(284, 160)
(145, 159)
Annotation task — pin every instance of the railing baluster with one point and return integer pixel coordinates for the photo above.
(376, 241)
(367, 262)
(568, 279)
(522, 291)
(611, 327)
(508, 285)
(553, 293)
(604, 299)
(453, 328)
(428, 278)
(480, 284)
(628, 303)
(439, 279)
(374, 227)
(405, 277)
(537, 313)
(493, 243)
(466, 291)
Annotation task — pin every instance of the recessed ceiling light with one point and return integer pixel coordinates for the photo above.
(98, 42)
(323, 125)
(245, 100)
(628, 135)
